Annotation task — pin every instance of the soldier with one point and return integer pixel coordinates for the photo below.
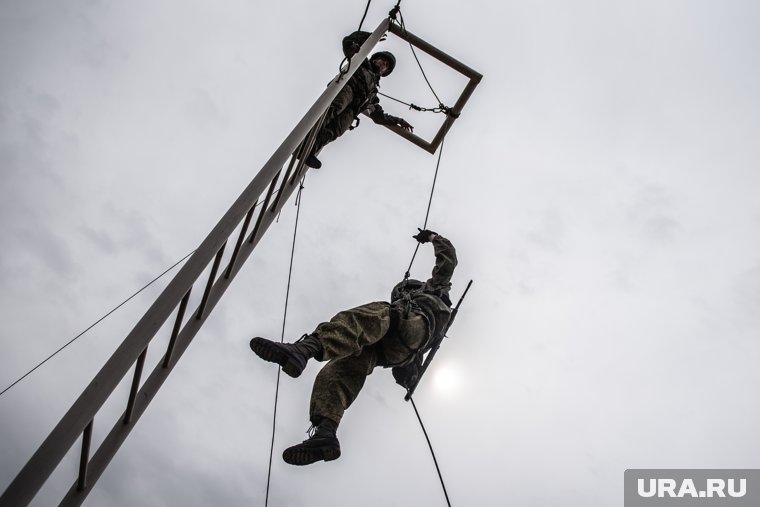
(392, 335)
(358, 95)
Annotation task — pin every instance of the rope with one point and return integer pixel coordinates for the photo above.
(364, 16)
(347, 61)
(96, 323)
(395, 10)
(447, 110)
(282, 336)
(414, 53)
(427, 213)
(105, 316)
(448, 502)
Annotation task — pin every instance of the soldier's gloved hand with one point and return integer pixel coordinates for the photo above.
(351, 49)
(404, 125)
(405, 376)
(424, 236)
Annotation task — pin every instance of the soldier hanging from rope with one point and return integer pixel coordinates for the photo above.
(392, 335)
(357, 96)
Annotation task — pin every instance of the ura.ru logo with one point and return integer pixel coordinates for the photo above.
(714, 488)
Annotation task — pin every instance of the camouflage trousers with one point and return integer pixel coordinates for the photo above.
(339, 117)
(354, 342)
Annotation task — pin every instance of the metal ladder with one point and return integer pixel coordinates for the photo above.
(132, 352)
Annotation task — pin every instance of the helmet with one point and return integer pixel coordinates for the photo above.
(388, 57)
(406, 286)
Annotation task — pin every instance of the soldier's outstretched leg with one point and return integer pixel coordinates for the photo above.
(335, 388)
(292, 357)
(345, 335)
(349, 331)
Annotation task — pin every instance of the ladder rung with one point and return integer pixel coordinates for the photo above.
(309, 141)
(210, 283)
(177, 326)
(287, 174)
(264, 205)
(135, 386)
(85, 458)
(239, 243)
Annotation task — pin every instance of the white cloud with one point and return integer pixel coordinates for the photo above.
(600, 188)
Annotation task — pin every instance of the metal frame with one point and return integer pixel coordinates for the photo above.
(131, 353)
(474, 79)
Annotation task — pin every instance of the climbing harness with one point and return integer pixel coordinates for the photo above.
(437, 344)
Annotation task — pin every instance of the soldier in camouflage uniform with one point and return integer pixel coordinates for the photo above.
(392, 335)
(357, 96)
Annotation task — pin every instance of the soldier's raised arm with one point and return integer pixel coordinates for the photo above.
(445, 258)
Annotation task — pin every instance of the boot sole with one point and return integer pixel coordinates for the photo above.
(300, 456)
(269, 351)
(314, 163)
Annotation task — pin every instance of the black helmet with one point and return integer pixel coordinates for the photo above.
(388, 57)
(407, 286)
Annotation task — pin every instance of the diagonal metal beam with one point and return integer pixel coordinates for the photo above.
(158, 376)
(40, 466)
(473, 76)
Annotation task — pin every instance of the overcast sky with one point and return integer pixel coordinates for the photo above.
(601, 188)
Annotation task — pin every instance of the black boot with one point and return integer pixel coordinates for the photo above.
(322, 444)
(292, 357)
(312, 161)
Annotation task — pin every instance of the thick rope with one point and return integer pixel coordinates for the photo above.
(282, 336)
(366, 9)
(96, 323)
(342, 71)
(406, 278)
(414, 53)
(448, 502)
(427, 213)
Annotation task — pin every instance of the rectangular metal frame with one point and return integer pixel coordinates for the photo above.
(473, 76)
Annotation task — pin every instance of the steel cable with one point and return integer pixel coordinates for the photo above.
(440, 477)
(96, 323)
(282, 336)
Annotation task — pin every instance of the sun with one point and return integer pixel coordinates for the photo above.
(447, 379)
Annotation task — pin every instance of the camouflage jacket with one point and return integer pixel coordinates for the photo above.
(431, 298)
(364, 83)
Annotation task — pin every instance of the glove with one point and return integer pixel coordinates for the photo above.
(423, 236)
(406, 376)
(351, 49)
(352, 43)
(404, 125)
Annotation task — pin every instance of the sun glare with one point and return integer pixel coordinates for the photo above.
(446, 379)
